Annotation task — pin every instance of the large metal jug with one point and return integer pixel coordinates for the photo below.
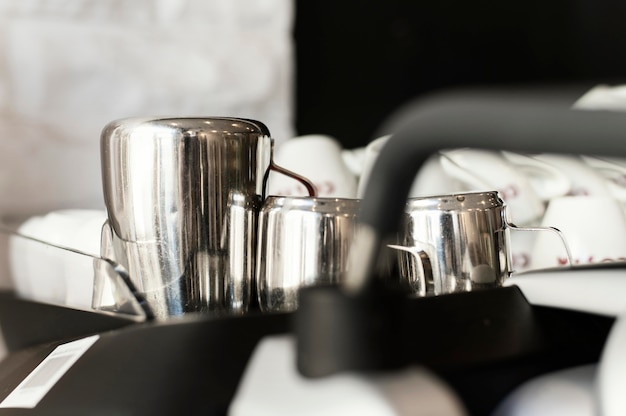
(183, 197)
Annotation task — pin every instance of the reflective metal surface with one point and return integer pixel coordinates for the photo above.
(183, 196)
(303, 242)
(454, 243)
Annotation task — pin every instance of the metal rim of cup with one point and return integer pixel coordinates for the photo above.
(481, 200)
(317, 204)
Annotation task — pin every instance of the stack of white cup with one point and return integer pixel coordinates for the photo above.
(582, 196)
(45, 273)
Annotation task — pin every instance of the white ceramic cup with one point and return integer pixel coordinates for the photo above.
(613, 171)
(354, 160)
(318, 158)
(521, 247)
(431, 180)
(372, 150)
(80, 269)
(547, 180)
(484, 170)
(584, 180)
(593, 226)
(46, 273)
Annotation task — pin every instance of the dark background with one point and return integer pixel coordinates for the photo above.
(359, 61)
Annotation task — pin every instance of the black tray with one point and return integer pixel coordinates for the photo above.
(483, 344)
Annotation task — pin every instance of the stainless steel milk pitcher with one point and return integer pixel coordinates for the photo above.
(462, 242)
(457, 243)
(183, 197)
(303, 242)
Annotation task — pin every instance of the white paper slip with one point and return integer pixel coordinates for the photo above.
(39, 382)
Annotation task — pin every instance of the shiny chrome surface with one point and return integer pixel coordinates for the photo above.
(183, 196)
(303, 242)
(454, 243)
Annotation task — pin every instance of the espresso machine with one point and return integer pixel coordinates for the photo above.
(157, 342)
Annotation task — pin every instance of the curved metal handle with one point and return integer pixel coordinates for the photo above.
(559, 233)
(310, 186)
(470, 120)
(424, 273)
(307, 183)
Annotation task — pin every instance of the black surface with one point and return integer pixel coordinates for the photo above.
(187, 366)
(357, 62)
(338, 332)
(482, 343)
(569, 339)
(26, 323)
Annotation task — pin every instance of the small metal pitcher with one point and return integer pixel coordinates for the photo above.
(303, 242)
(457, 243)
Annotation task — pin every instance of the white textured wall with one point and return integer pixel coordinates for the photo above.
(69, 67)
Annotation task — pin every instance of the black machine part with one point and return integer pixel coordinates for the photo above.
(451, 120)
(475, 119)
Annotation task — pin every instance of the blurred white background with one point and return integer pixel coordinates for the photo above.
(68, 68)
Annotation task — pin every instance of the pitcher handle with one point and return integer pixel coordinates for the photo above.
(559, 233)
(310, 186)
(421, 256)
